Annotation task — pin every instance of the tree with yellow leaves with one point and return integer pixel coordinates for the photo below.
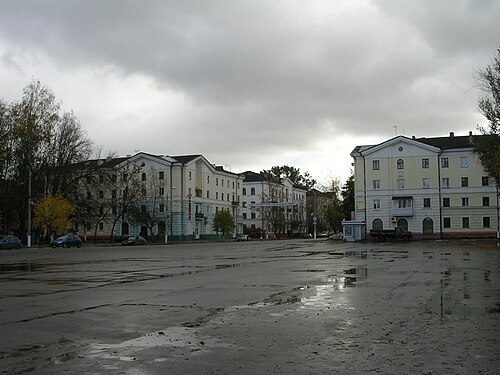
(53, 214)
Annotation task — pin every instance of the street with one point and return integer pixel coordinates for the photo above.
(256, 307)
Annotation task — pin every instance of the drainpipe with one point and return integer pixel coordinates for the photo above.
(364, 191)
(439, 195)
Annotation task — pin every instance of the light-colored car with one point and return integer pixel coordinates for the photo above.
(243, 237)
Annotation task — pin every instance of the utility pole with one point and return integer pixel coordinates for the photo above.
(29, 209)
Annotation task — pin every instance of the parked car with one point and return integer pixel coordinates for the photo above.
(10, 242)
(134, 240)
(67, 240)
(243, 237)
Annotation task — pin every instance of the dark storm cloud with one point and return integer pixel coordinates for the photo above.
(278, 70)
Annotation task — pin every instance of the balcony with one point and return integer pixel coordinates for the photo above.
(199, 215)
(402, 206)
(235, 203)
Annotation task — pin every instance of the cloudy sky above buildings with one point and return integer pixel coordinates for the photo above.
(253, 84)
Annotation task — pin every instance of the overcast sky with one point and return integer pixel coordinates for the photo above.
(253, 84)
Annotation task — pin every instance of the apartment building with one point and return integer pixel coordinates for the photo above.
(161, 197)
(272, 208)
(434, 187)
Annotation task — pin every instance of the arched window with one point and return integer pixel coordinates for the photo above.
(403, 224)
(377, 224)
(252, 191)
(427, 226)
(244, 191)
(400, 164)
(143, 176)
(125, 229)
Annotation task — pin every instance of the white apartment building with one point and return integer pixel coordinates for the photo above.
(272, 208)
(177, 197)
(434, 187)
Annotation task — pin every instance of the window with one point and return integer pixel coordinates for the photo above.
(425, 163)
(376, 184)
(444, 163)
(143, 192)
(445, 181)
(216, 195)
(189, 175)
(402, 202)
(446, 222)
(376, 165)
(427, 202)
(208, 179)
(217, 181)
(143, 176)
(253, 215)
(252, 191)
(464, 161)
(244, 215)
(465, 222)
(113, 194)
(465, 181)
(101, 210)
(208, 194)
(244, 203)
(101, 226)
(114, 210)
(162, 207)
(376, 204)
(446, 202)
(400, 164)
(377, 224)
(426, 183)
(485, 181)
(465, 201)
(161, 175)
(486, 201)
(162, 191)
(486, 222)
(401, 183)
(233, 184)
(244, 191)
(143, 209)
(428, 226)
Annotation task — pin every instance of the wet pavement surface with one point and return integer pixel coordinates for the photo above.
(257, 307)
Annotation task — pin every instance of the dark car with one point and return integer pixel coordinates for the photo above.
(67, 240)
(10, 242)
(134, 240)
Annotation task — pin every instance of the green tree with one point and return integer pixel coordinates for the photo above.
(347, 196)
(303, 180)
(53, 214)
(223, 222)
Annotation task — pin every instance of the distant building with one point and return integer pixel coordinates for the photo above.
(272, 208)
(161, 197)
(434, 187)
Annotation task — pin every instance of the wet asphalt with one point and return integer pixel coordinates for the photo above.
(256, 307)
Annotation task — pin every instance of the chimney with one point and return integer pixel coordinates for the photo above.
(470, 132)
(452, 134)
(412, 137)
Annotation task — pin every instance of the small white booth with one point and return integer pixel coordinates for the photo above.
(353, 230)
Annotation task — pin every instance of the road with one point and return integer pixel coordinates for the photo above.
(256, 307)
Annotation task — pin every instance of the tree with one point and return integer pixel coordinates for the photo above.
(347, 195)
(53, 214)
(223, 222)
(277, 173)
(487, 145)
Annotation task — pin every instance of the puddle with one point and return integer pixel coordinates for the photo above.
(180, 337)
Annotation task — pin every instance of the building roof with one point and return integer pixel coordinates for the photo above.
(443, 143)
